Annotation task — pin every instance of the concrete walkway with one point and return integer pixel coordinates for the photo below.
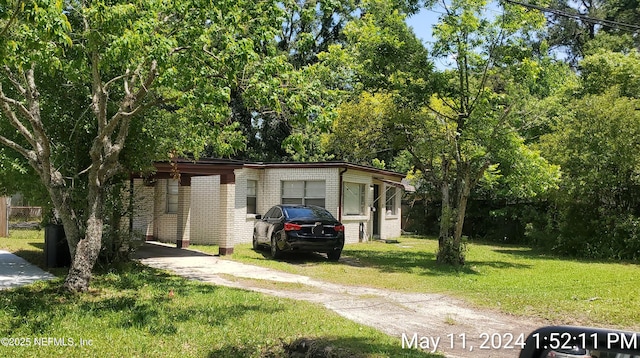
(432, 317)
(16, 271)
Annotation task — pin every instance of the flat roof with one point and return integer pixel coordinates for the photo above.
(332, 164)
(204, 166)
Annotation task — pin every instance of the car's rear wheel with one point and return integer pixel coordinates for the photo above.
(334, 255)
(276, 253)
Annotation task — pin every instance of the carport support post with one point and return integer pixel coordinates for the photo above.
(228, 215)
(184, 213)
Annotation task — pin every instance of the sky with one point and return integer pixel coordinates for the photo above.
(422, 23)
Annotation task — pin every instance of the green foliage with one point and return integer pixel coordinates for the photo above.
(578, 38)
(381, 53)
(596, 146)
(360, 133)
(605, 69)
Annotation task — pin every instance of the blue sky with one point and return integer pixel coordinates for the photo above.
(422, 23)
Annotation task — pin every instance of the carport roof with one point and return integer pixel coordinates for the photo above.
(225, 167)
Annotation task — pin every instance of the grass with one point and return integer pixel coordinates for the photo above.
(513, 279)
(136, 311)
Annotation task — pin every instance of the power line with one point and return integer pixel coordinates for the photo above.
(608, 23)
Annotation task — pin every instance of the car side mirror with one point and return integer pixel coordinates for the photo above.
(258, 217)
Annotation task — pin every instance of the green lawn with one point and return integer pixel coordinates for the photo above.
(514, 279)
(136, 311)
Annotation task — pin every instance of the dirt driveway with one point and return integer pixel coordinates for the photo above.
(434, 322)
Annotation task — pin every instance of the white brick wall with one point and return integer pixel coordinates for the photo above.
(227, 235)
(166, 225)
(183, 220)
(205, 204)
(243, 221)
(143, 209)
(272, 179)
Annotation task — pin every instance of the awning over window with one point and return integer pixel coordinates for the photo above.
(404, 184)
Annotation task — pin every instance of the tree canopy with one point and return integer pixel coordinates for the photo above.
(91, 91)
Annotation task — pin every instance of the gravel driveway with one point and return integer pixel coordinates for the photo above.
(433, 321)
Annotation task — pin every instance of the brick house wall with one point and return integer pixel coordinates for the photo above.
(205, 204)
(212, 212)
(143, 209)
(165, 227)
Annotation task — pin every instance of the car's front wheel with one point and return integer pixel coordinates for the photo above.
(276, 253)
(256, 246)
(334, 255)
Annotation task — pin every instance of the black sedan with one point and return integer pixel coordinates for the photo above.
(299, 228)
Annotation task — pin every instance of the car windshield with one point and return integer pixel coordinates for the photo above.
(308, 213)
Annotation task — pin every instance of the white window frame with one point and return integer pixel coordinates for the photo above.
(307, 198)
(391, 201)
(350, 192)
(252, 196)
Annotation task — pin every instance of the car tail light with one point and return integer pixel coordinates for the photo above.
(338, 228)
(292, 227)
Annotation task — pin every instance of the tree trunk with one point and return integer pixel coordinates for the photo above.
(461, 211)
(451, 249)
(88, 248)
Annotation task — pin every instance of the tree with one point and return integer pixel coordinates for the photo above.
(468, 125)
(579, 27)
(314, 37)
(381, 64)
(117, 61)
(458, 125)
(594, 140)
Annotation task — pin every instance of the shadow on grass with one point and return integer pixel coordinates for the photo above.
(35, 256)
(295, 258)
(528, 253)
(322, 347)
(421, 262)
(130, 297)
(394, 261)
(150, 249)
(38, 245)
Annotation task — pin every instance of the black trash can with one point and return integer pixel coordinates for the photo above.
(56, 249)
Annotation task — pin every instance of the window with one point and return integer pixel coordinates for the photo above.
(252, 190)
(391, 200)
(353, 198)
(303, 192)
(274, 213)
(172, 196)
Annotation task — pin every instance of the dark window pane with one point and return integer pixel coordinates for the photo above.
(251, 205)
(316, 202)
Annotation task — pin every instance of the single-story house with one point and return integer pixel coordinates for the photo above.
(215, 201)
